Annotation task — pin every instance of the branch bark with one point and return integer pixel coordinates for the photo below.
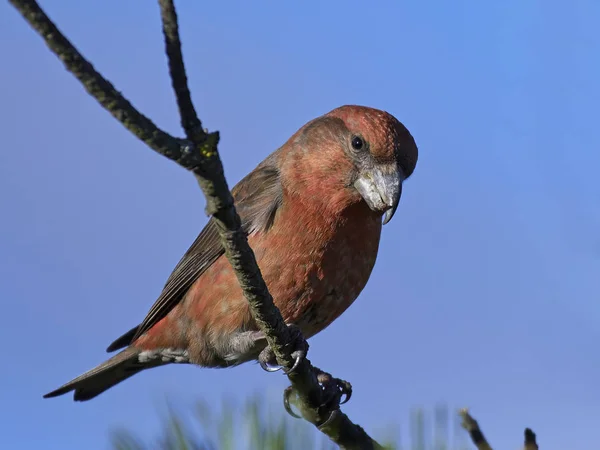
(199, 154)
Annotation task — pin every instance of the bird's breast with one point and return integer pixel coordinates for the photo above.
(316, 268)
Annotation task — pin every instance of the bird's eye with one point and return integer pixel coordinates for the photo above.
(357, 143)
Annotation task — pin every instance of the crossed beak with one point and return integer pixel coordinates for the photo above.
(381, 188)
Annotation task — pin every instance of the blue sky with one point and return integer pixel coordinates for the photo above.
(486, 291)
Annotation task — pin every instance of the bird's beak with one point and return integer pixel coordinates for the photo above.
(381, 187)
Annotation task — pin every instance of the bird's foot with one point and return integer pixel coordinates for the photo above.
(334, 392)
(268, 361)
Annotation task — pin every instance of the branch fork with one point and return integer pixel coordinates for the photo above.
(198, 153)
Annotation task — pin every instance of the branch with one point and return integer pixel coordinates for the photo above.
(471, 425)
(199, 154)
(100, 88)
(189, 119)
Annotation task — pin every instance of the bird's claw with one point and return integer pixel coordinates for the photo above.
(286, 402)
(299, 356)
(346, 390)
(268, 361)
(265, 365)
(335, 392)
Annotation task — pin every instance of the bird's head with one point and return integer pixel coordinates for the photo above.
(352, 154)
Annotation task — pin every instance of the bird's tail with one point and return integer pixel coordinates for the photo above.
(111, 372)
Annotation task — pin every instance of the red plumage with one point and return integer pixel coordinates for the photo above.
(312, 211)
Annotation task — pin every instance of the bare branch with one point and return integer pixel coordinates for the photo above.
(98, 87)
(189, 119)
(220, 202)
(200, 155)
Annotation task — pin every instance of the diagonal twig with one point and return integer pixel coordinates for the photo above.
(200, 155)
(99, 87)
(471, 425)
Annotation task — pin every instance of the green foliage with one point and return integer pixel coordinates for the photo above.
(258, 425)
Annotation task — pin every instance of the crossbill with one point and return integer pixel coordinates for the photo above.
(313, 212)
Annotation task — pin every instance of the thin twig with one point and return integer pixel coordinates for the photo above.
(530, 440)
(100, 88)
(189, 119)
(471, 425)
(199, 154)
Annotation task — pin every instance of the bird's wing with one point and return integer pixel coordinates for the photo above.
(257, 198)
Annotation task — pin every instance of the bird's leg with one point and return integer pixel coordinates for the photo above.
(299, 346)
(335, 392)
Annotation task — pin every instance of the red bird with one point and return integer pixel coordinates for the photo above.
(313, 213)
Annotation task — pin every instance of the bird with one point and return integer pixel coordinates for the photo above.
(313, 212)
